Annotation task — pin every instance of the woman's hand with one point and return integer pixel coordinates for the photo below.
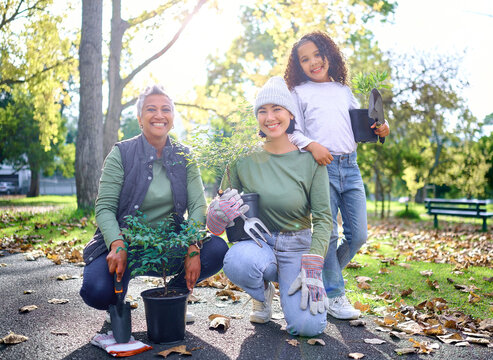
(382, 131)
(117, 261)
(192, 267)
(320, 153)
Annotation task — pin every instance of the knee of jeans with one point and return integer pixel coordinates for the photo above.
(242, 269)
(96, 296)
(306, 324)
(359, 238)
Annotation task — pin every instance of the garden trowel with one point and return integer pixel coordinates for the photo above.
(375, 109)
(121, 322)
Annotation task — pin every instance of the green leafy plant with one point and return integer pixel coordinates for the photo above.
(363, 83)
(153, 247)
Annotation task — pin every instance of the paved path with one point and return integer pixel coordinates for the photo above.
(242, 340)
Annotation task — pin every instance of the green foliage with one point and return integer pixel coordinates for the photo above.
(153, 248)
(408, 214)
(364, 83)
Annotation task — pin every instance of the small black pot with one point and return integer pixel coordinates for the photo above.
(165, 316)
(236, 233)
(361, 122)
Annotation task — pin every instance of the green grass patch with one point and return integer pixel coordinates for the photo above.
(38, 201)
(399, 278)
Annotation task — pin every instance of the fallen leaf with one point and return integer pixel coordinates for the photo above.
(434, 330)
(433, 284)
(3, 265)
(409, 327)
(228, 294)
(426, 272)
(182, 350)
(354, 265)
(473, 298)
(384, 271)
(316, 342)
(28, 291)
(236, 316)
(462, 344)
(407, 292)
(192, 299)
(477, 340)
(361, 307)
(58, 301)
(488, 279)
(356, 355)
(361, 279)
(486, 324)
(64, 277)
(357, 322)
(374, 341)
(363, 286)
(219, 322)
(404, 265)
(12, 339)
(398, 334)
(293, 342)
(27, 308)
(382, 329)
(450, 338)
(404, 351)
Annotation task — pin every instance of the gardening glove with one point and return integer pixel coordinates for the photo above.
(108, 343)
(311, 284)
(225, 209)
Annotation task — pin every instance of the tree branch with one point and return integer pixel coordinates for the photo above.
(22, 81)
(185, 22)
(17, 12)
(151, 14)
(224, 117)
(129, 103)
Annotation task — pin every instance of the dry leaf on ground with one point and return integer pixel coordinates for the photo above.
(450, 338)
(28, 291)
(219, 322)
(361, 279)
(357, 322)
(182, 350)
(361, 307)
(404, 351)
(12, 339)
(374, 341)
(58, 301)
(356, 355)
(293, 342)
(426, 272)
(407, 292)
(228, 294)
(316, 342)
(27, 308)
(54, 332)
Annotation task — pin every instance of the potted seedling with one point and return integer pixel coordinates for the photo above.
(153, 249)
(215, 151)
(363, 119)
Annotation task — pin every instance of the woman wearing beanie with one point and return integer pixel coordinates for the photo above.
(294, 193)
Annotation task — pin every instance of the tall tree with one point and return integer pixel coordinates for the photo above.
(117, 80)
(88, 158)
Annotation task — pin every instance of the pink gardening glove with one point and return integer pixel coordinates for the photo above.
(224, 210)
(311, 284)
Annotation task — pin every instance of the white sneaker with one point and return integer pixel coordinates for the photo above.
(341, 308)
(262, 311)
(189, 317)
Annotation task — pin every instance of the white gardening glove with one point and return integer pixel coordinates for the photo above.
(225, 209)
(311, 284)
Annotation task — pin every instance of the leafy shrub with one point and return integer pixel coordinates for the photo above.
(408, 214)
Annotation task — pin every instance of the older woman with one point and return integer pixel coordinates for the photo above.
(294, 193)
(149, 173)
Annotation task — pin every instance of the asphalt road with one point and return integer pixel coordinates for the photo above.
(243, 340)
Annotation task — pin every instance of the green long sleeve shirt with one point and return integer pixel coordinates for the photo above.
(294, 192)
(157, 203)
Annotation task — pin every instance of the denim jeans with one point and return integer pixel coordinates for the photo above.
(97, 288)
(248, 265)
(347, 195)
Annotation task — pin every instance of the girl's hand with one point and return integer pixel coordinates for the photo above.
(320, 153)
(117, 261)
(192, 267)
(382, 131)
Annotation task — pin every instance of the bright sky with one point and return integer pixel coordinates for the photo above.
(444, 26)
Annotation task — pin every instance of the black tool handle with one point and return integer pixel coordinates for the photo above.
(382, 139)
(118, 287)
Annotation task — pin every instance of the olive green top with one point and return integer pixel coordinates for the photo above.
(292, 187)
(157, 203)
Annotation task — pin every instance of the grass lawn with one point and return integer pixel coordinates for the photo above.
(48, 221)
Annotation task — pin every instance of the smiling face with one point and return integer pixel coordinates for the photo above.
(157, 117)
(273, 120)
(312, 62)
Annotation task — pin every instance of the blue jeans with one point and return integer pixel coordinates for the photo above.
(97, 288)
(347, 195)
(248, 265)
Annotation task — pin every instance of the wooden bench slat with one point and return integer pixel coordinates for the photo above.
(464, 208)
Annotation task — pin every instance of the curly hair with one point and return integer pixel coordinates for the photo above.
(294, 74)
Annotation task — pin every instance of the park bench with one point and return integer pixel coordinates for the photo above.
(464, 208)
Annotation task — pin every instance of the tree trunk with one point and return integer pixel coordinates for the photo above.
(34, 185)
(88, 155)
(115, 83)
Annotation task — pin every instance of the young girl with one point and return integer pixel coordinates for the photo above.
(318, 79)
(293, 194)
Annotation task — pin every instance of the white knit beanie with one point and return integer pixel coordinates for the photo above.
(275, 91)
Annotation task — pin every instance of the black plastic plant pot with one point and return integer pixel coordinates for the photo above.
(361, 124)
(236, 233)
(165, 315)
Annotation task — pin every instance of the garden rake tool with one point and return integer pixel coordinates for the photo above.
(251, 227)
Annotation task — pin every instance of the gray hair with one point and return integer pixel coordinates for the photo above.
(156, 89)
